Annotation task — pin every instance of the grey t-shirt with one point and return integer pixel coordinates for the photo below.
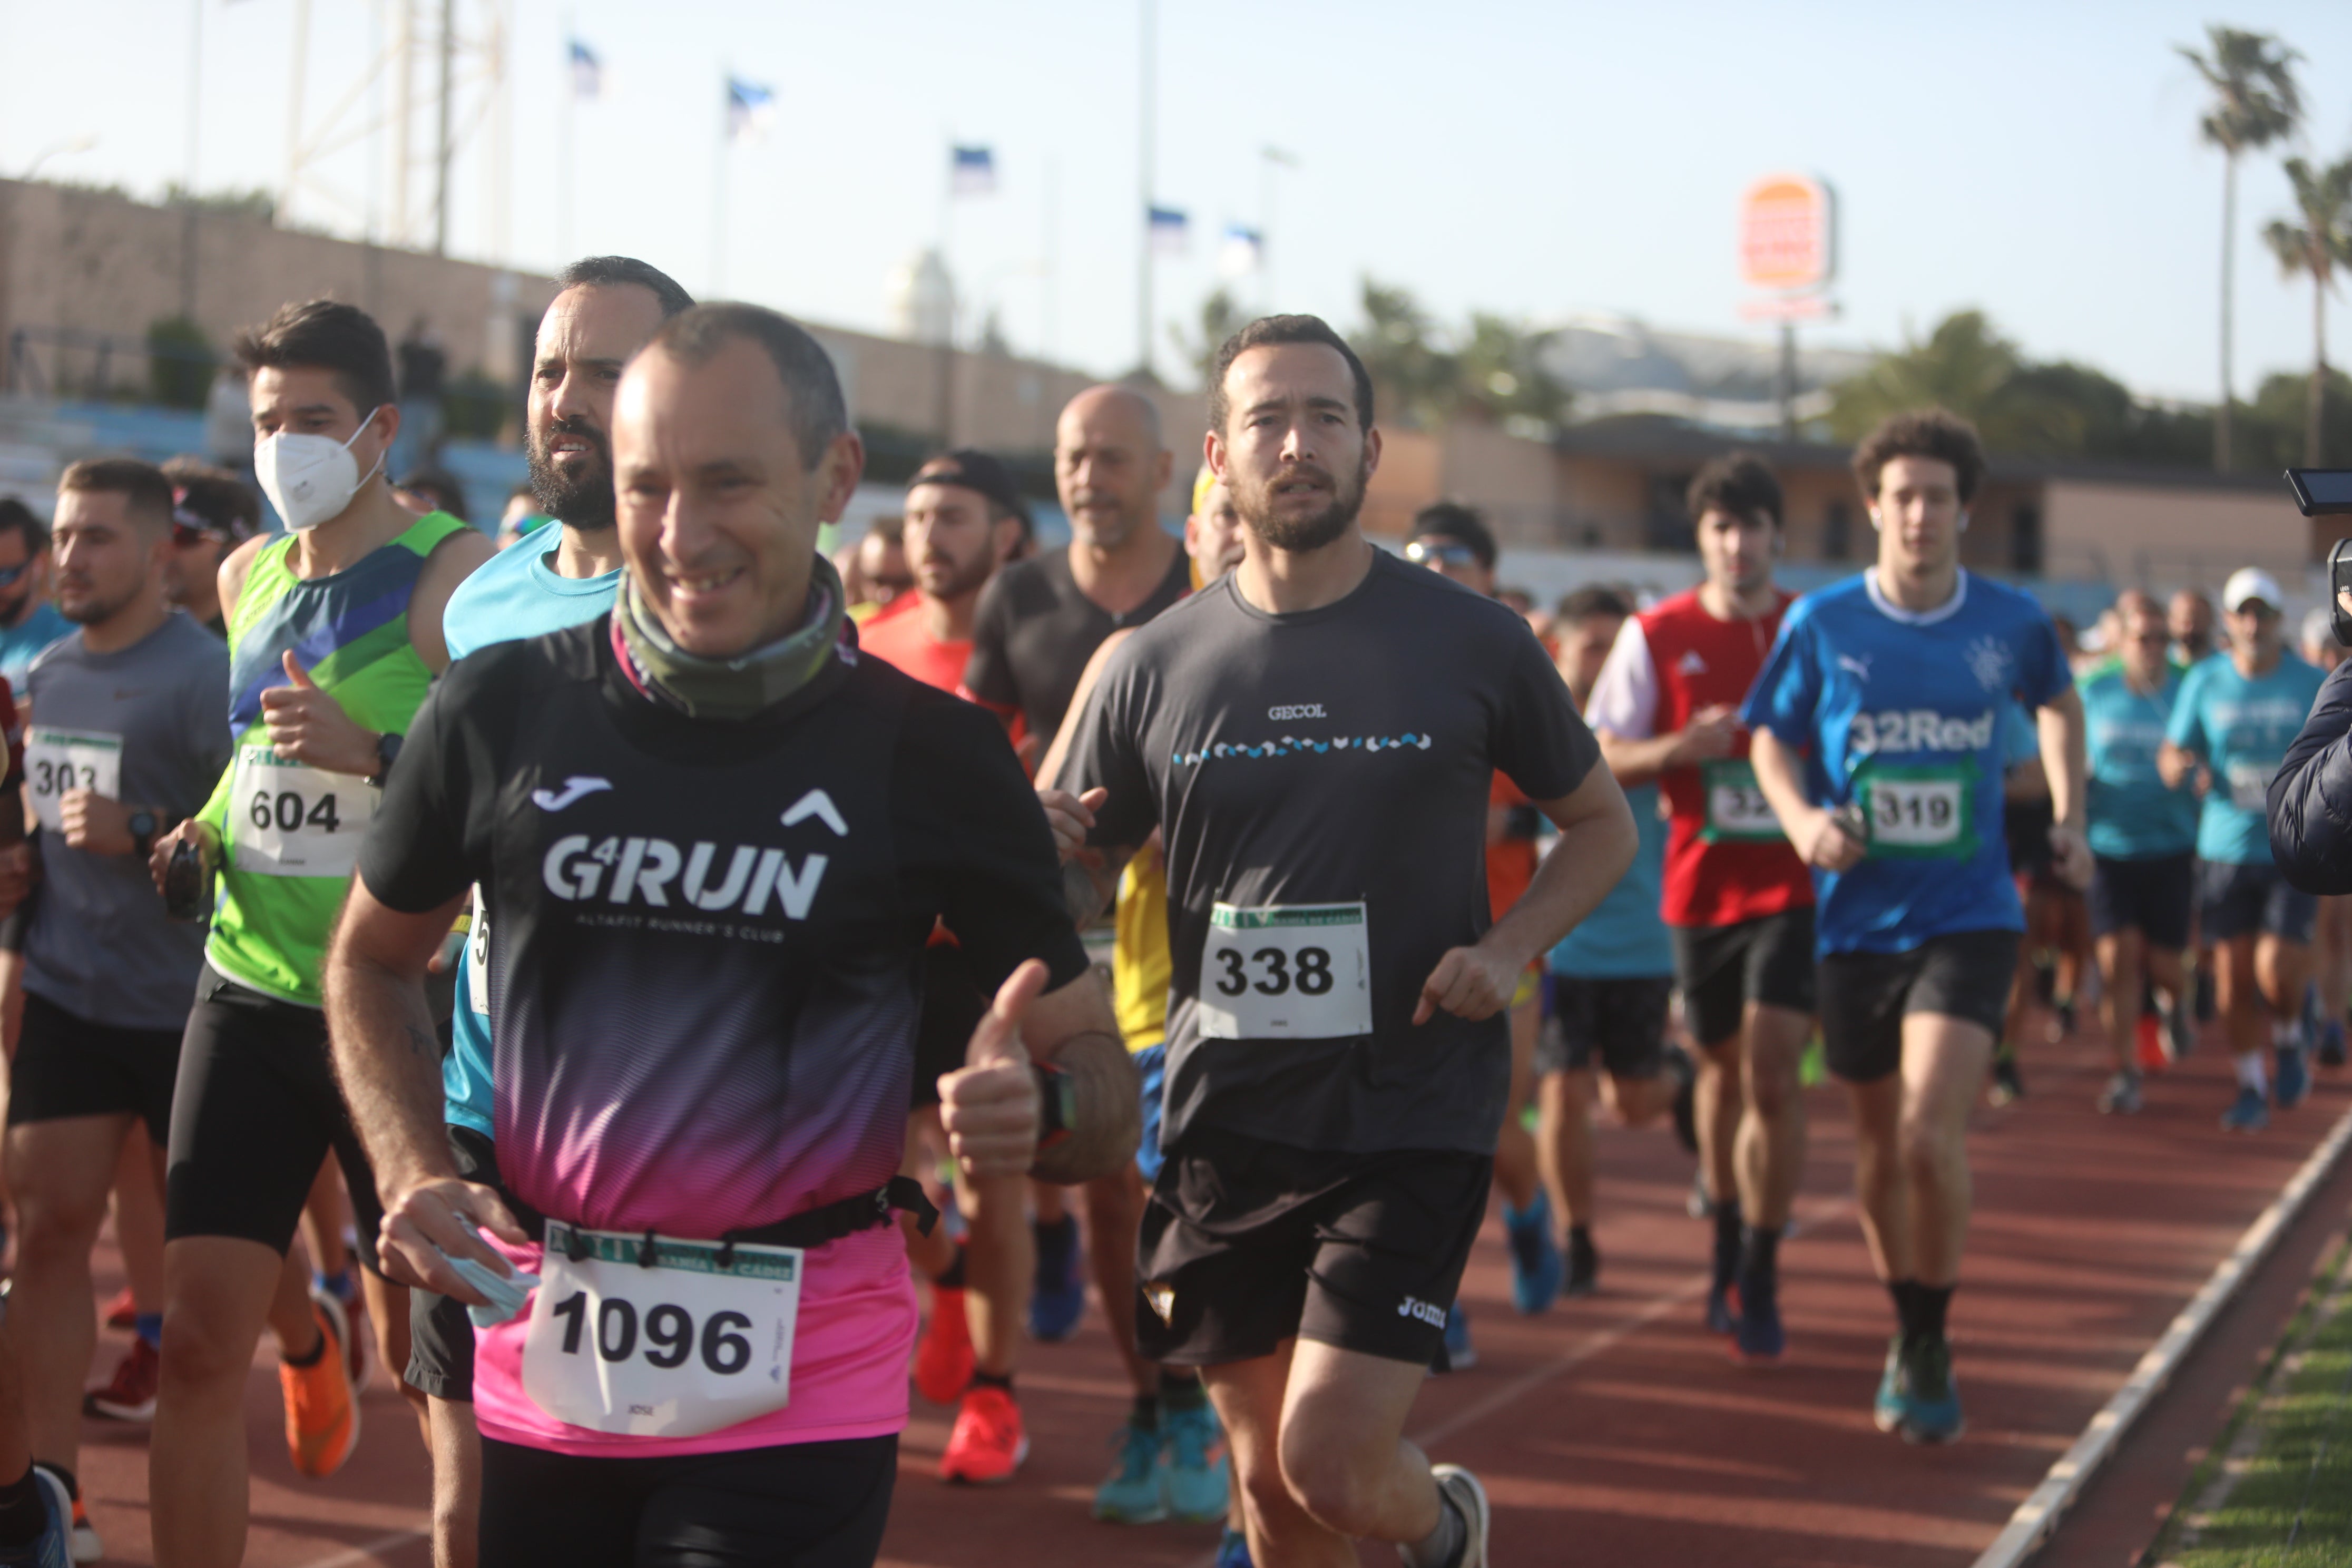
(1325, 777)
(156, 713)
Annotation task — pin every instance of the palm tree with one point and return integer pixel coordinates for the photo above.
(2318, 245)
(2255, 103)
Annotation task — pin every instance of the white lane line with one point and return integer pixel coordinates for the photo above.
(2039, 1514)
(371, 1551)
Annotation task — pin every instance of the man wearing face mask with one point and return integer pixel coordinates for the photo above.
(334, 634)
(28, 621)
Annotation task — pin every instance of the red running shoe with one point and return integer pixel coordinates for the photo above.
(943, 1360)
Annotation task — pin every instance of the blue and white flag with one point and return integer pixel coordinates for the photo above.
(750, 109)
(1243, 253)
(972, 171)
(1169, 231)
(587, 71)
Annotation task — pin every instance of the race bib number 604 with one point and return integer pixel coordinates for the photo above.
(289, 820)
(1287, 972)
(674, 1349)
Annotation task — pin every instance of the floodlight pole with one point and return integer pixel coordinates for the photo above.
(1144, 260)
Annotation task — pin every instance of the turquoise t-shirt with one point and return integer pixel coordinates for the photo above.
(1624, 937)
(2242, 729)
(515, 594)
(2133, 817)
(19, 645)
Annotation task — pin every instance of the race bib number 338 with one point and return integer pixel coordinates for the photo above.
(1287, 972)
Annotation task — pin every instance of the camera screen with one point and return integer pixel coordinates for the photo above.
(2327, 486)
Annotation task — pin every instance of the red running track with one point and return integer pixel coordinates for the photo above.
(1611, 1430)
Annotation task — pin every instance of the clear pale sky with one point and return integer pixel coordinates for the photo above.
(2039, 161)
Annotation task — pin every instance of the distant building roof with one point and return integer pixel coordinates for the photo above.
(1617, 365)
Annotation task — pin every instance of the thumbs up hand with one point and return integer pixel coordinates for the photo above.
(989, 1107)
(306, 725)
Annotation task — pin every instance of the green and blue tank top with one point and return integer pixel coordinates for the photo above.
(289, 833)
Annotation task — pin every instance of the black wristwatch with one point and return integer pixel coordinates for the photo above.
(1057, 1105)
(387, 747)
(142, 832)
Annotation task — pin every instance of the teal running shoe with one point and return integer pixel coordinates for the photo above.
(1195, 1475)
(1932, 1398)
(1893, 1401)
(1538, 1270)
(1135, 1491)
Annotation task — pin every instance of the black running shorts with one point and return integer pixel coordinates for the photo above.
(1865, 997)
(254, 1111)
(440, 1334)
(1246, 1244)
(811, 1505)
(952, 1008)
(2250, 901)
(1620, 1020)
(1723, 968)
(2153, 896)
(66, 1065)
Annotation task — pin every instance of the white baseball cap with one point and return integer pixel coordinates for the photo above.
(2251, 583)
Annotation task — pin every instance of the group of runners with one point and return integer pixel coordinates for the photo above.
(668, 960)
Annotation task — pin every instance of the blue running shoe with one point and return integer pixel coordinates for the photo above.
(2294, 1085)
(53, 1548)
(2247, 1113)
(1461, 1356)
(2331, 1043)
(1894, 1398)
(1233, 1550)
(1057, 1298)
(1758, 1340)
(1536, 1269)
(1722, 1309)
(1932, 1397)
(1197, 1489)
(1135, 1491)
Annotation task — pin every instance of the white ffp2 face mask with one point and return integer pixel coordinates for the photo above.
(310, 478)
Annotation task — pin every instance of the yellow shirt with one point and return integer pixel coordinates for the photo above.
(1140, 966)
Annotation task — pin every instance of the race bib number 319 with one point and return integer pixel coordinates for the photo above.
(1287, 972)
(1920, 811)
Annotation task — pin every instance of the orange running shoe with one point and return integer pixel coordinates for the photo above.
(130, 1396)
(122, 1312)
(943, 1360)
(988, 1444)
(322, 1418)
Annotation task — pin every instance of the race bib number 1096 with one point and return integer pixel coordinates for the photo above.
(1287, 972)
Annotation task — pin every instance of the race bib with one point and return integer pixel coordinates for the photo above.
(676, 1350)
(1919, 811)
(477, 957)
(57, 761)
(290, 820)
(2250, 783)
(1287, 972)
(1736, 810)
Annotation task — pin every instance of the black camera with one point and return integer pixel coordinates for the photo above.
(2327, 493)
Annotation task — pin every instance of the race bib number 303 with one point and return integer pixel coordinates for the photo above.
(57, 761)
(675, 1349)
(1287, 972)
(289, 820)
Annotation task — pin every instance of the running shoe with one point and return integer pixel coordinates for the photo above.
(1931, 1397)
(53, 1548)
(988, 1444)
(943, 1360)
(1136, 1491)
(1722, 1309)
(1537, 1271)
(1197, 1487)
(2247, 1113)
(1583, 1265)
(1759, 1338)
(1467, 1495)
(2008, 1084)
(122, 1312)
(130, 1395)
(322, 1418)
(2293, 1084)
(1894, 1397)
(1461, 1356)
(2331, 1043)
(1057, 1298)
(2121, 1097)
(1233, 1550)
(2179, 1029)
(82, 1539)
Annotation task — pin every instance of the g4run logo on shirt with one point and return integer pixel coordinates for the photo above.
(1917, 730)
(577, 869)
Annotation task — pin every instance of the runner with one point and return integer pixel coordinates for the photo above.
(2230, 729)
(1737, 897)
(963, 520)
(716, 1196)
(1611, 979)
(28, 621)
(1039, 622)
(1316, 736)
(2190, 621)
(213, 512)
(1895, 683)
(604, 309)
(2328, 1000)
(335, 632)
(2143, 836)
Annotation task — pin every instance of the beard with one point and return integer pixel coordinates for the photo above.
(1254, 499)
(582, 500)
(962, 577)
(92, 609)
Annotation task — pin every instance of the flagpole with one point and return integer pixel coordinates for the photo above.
(1051, 254)
(947, 351)
(563, 167)
(719, 187)
(1143, 265)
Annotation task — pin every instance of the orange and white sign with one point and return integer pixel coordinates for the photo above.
(1787, 232)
